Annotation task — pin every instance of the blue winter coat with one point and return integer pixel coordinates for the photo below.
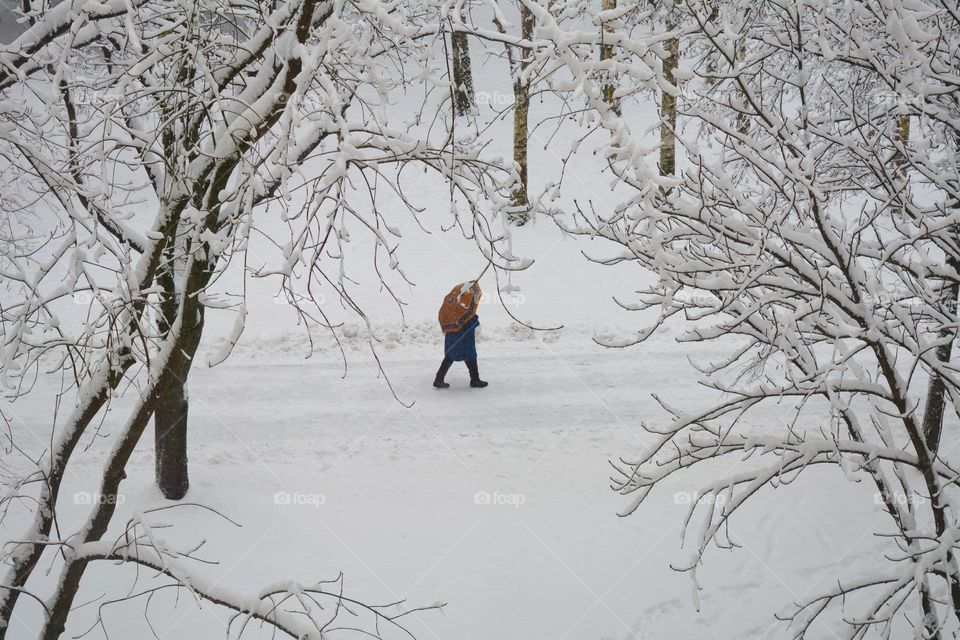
(463, 344)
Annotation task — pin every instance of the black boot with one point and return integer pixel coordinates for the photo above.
(475, 380)
(441, 373)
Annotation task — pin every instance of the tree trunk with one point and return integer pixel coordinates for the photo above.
(932, 430)
(931, 621)
(936, 389)
(903, 136)
(743, 120)
(606, 53)
(668, 107)
(170, 441)
(170, 417)
(464, 100)
(521, 107)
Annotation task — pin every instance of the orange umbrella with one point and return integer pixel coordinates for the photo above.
(459, 307)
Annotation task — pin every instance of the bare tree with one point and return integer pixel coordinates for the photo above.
(835, 270)
(200, 118)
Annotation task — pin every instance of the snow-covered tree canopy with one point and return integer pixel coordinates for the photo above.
(812, 228)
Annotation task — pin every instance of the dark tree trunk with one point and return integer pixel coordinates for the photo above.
(170, 417)
(932, 430)
(170, 441)
(464, 100)
(936, 389)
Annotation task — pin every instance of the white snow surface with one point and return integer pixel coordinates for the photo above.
(328, 474)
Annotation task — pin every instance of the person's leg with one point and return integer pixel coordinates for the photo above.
(475, 380)
(441, 374)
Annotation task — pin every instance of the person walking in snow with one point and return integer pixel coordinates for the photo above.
(459, 322)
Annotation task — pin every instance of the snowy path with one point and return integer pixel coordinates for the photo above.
(400, 513)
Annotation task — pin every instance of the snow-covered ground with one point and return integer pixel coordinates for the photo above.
(329, 474)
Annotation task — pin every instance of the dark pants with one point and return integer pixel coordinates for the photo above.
(447, 363)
